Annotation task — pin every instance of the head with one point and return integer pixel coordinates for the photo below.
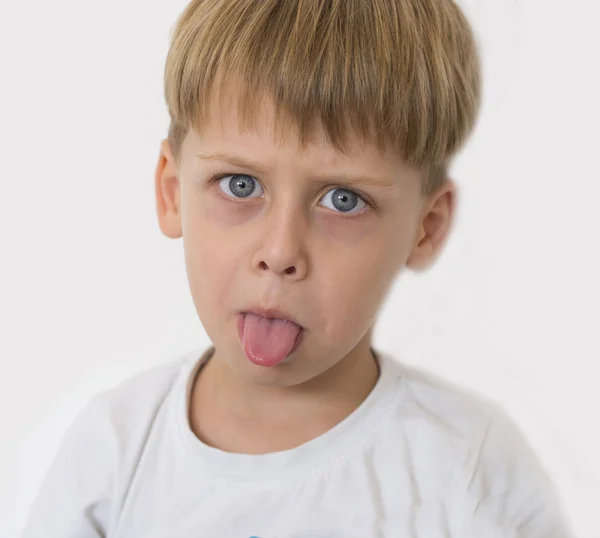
(307, 161)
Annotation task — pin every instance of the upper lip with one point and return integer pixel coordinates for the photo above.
(272, 313)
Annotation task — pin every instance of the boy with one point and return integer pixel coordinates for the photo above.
(306, 166)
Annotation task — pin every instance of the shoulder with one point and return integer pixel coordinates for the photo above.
(119, 419)
(93, 468)
(139, 396)
(115, 421)
(497, 477)
(433, 404)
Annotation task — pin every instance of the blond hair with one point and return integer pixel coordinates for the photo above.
(400, 73)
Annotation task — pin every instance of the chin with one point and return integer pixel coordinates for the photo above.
(290, 372)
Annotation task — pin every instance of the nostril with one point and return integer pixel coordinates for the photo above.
(289, 271)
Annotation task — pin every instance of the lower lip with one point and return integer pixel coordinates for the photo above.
(240, 326)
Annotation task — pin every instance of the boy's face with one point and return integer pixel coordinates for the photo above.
(284, 232)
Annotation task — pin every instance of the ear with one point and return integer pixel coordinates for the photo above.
(435, 221)
(167, 193)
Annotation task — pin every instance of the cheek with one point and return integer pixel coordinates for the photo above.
(349, 289)
(350, 232)
(359, 274)
(366, 249)
(209, 268)
(223, 214)
(211, 261)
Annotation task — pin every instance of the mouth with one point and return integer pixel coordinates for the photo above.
(268, 336)
(271, 313)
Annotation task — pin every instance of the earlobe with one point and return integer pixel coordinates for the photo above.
(167, 193)
(433, 230)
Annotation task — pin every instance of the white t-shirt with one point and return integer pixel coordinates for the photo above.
(417, 459)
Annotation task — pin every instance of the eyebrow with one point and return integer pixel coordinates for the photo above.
(243, 162)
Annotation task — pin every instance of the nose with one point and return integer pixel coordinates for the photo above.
(282, 251)
(291, 270)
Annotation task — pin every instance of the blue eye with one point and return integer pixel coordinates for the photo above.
(345, 200)
(239, 185)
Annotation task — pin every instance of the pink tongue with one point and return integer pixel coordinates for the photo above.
(268, 341)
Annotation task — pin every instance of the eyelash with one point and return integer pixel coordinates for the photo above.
(369, 203)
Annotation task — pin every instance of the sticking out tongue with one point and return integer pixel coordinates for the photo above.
(268, 341)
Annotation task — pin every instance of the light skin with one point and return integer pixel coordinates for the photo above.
(288, 245)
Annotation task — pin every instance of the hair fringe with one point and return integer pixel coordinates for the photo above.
(403, 74)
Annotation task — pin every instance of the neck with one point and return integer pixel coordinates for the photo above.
(240, 416)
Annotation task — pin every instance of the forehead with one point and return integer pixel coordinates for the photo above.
(224, 130)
